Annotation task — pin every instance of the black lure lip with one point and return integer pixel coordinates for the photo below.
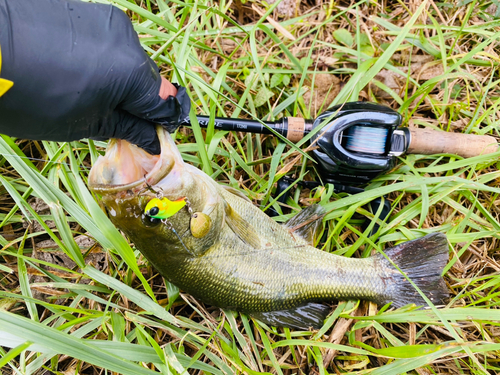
(149, 221)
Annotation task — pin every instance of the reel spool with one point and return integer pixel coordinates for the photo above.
(361, 142)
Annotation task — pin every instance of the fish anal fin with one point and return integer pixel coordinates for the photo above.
(241, 228)
(305, 317)
(307, 223)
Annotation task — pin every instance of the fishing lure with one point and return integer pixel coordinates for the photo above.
(164, 208)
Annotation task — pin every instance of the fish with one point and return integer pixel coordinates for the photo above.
(223, 250)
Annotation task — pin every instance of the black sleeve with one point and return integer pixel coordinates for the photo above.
(79, 71)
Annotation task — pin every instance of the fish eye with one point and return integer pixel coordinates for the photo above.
(149, 221)
(154, 211)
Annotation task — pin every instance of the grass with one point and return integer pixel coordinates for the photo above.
(69, 306)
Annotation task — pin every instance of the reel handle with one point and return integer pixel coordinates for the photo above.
(428, 142)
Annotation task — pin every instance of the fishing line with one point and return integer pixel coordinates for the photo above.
(255, 251)
(367, 139)
(169, 225)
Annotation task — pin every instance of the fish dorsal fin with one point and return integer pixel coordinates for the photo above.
(236, 192)
(307, 223)
(311, 315)
(241, 227)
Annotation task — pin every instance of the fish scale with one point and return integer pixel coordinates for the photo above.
(244, 260)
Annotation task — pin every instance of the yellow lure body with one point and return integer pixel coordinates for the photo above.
(163, 208)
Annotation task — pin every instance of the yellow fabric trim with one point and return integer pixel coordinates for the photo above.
(4, 83)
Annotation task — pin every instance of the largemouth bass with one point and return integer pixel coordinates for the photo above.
(226, 252)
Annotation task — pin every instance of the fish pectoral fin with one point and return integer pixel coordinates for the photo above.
(241, 228)
(307, 223)
(235, 192)
(305, 317)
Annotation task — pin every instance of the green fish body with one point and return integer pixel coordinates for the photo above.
(228, 253)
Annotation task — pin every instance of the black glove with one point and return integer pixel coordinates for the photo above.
(79, 71)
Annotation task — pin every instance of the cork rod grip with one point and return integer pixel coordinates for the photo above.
(296, 129)
(428, 142)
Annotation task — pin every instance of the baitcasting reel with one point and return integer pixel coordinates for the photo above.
(359, 142)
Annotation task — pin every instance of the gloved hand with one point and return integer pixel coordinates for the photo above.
(79, 71)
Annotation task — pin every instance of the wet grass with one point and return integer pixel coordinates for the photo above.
(77, 298)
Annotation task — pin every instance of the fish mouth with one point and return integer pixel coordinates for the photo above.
(125, 166)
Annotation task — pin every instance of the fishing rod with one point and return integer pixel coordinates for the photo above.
(361, 140)
(358, 141)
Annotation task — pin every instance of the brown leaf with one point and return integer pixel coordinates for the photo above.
(285, 7)
(428, 71)
(392, 80)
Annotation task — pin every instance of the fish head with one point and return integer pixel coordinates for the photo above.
(154, 198)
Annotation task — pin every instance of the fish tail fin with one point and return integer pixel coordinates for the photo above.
(422, 260)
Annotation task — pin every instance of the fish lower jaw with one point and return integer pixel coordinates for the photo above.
(121, 191)
(142, 185)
